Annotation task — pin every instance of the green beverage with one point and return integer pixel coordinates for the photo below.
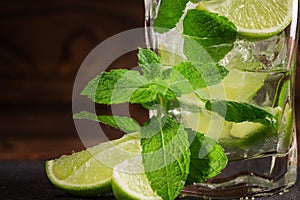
(251, 109)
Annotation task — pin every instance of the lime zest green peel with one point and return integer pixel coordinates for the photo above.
(253, 18)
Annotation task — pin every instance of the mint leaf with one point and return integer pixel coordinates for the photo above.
(169, 13)
(144, 94)
(115, 86)
(195, 1)
(150, 63)
(166, 156)
(168, 95)
(207, 158)
(216, 34)
(187, 77)
(125, 124)
(239, 112)
(90, 88)
(283, 94)
(195, 52)
(86, 115)
(202, 75)
(176, 82)
(212, 73)
(148, 94)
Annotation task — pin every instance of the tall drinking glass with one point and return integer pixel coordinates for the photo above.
(252, 45)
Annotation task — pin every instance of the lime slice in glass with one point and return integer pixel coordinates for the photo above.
(238, 85)
(130, 182)
(251, 132)
(245, 129)
(253, 18)
(210, 124)
(168, 57)
(89, 172)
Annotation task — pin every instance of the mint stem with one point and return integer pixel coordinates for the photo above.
(160, 107)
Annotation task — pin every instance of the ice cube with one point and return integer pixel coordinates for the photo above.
(264, 54)
(272, 51)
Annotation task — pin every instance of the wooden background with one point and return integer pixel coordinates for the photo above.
(42, 45)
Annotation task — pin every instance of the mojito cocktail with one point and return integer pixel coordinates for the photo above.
(245, 51)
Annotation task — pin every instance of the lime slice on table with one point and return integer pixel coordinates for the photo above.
(89, 172)
(253, 18)
(130, 182)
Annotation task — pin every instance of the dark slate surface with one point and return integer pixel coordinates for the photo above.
(22, 180)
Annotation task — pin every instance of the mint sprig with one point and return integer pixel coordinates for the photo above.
(173, 156)
(122, 85)
(165, 142)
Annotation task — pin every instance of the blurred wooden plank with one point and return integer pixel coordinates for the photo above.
(39, 147)
(42, 45)
(51, 38)
(37, 90)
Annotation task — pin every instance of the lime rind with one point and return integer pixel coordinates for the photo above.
(89, 172)
(129, 182)
(253, 18)
(96, 189)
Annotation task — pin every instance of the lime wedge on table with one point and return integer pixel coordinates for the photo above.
(89, 172)
(130, 182)
(254, 18)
